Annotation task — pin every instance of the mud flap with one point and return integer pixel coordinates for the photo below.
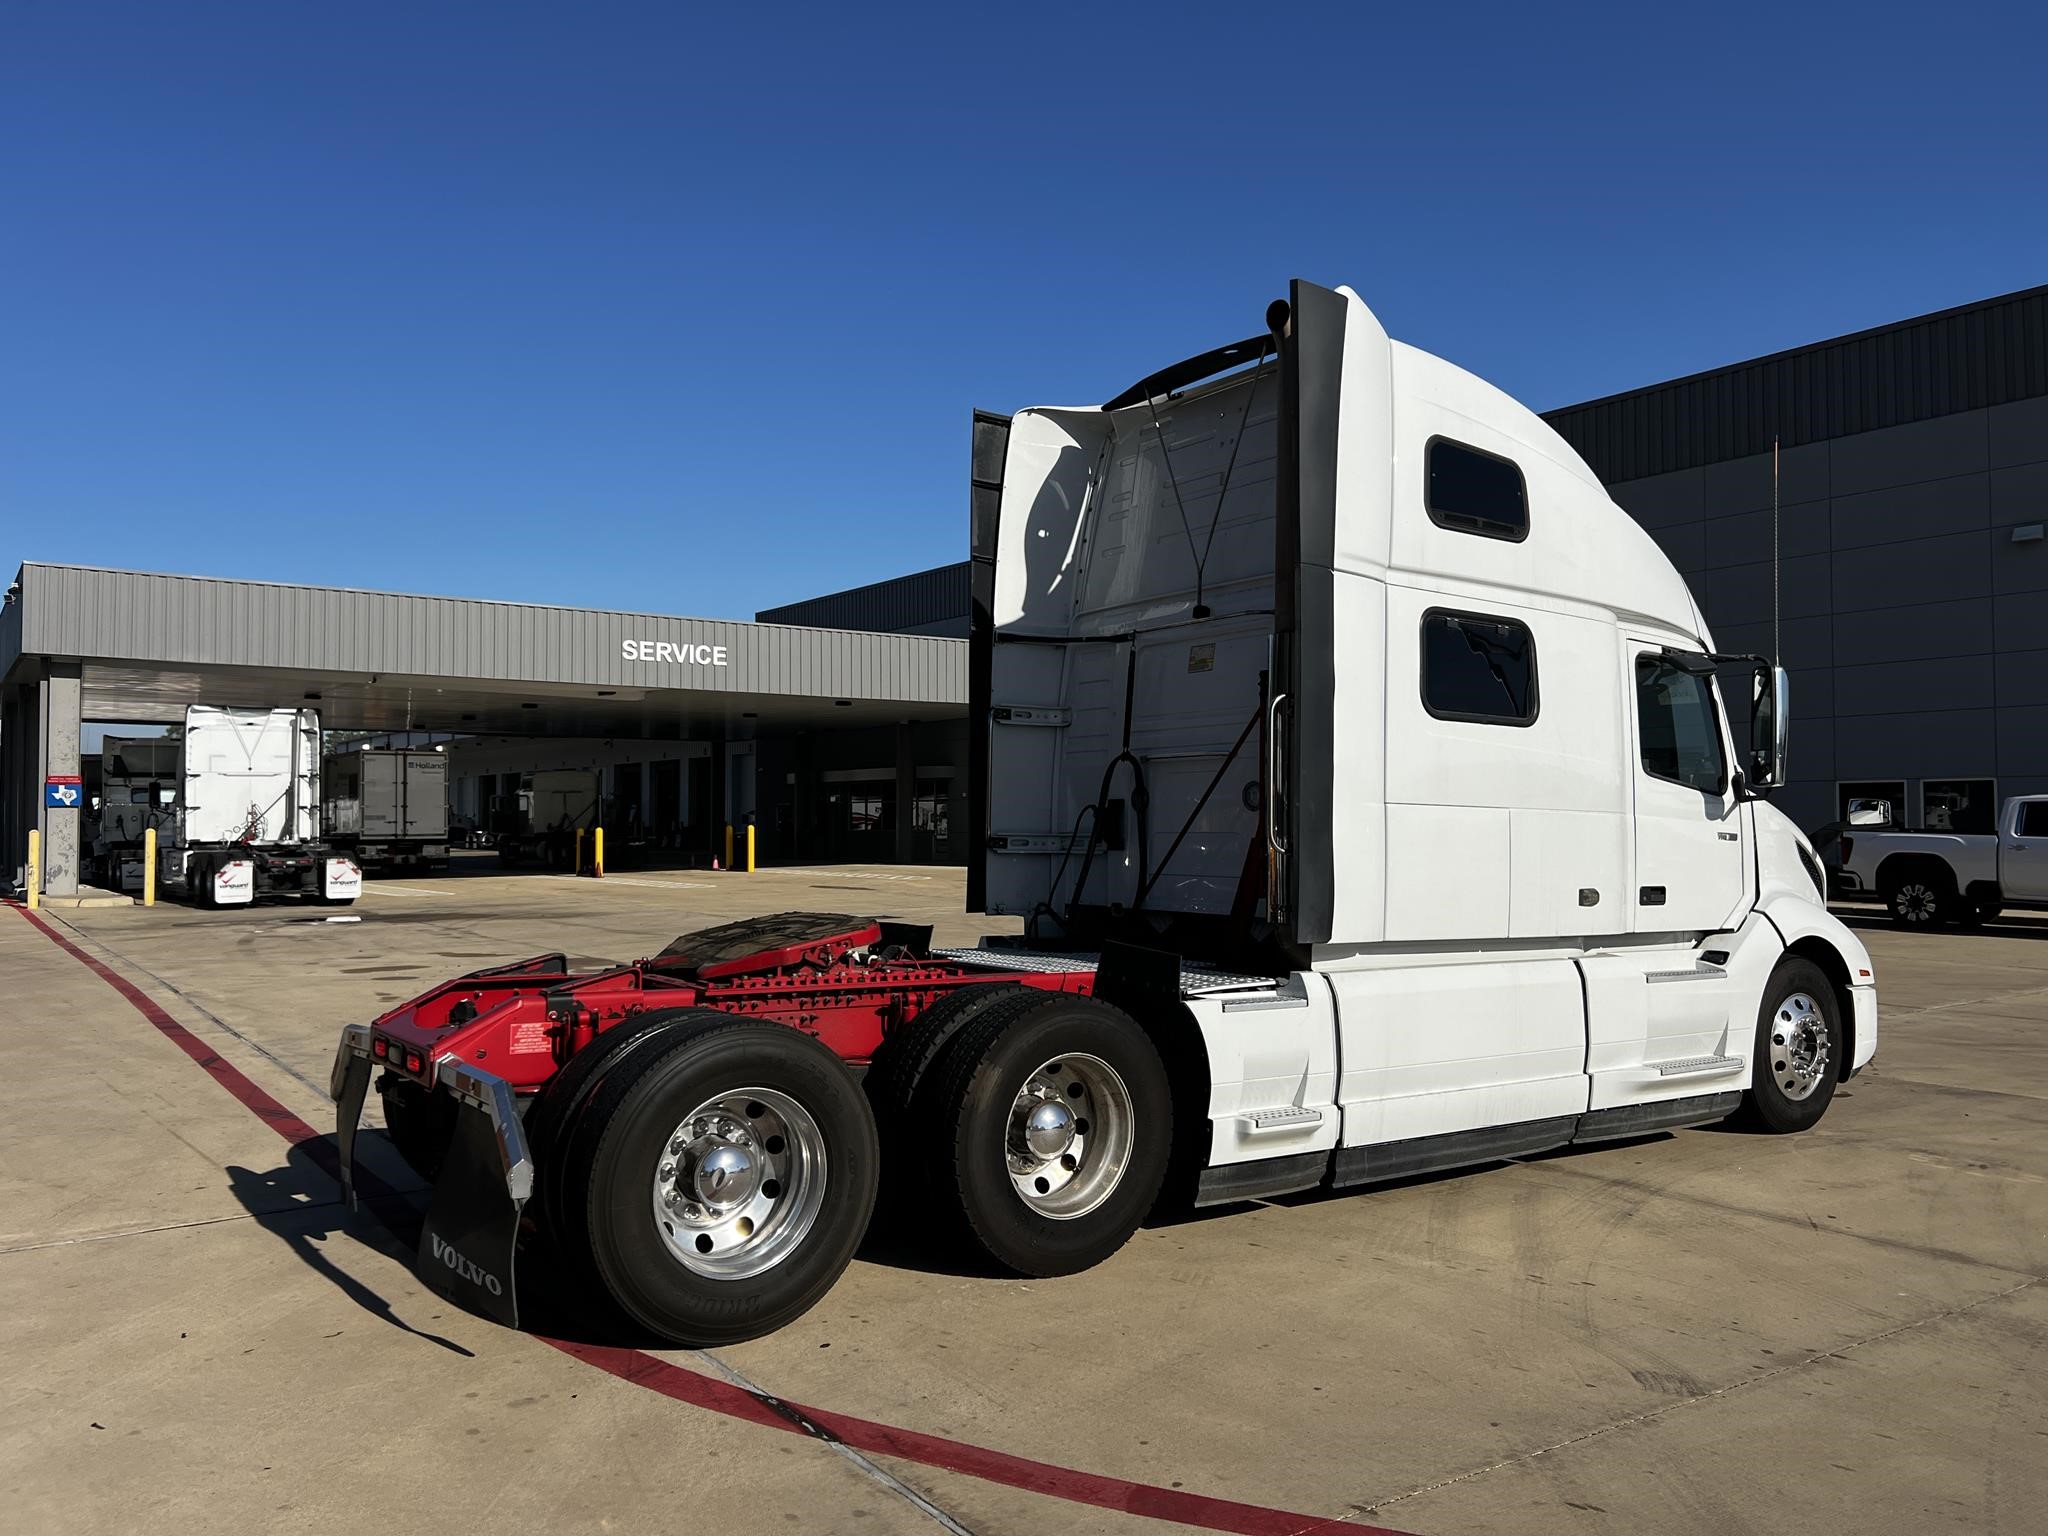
(466, 1246)
(353, 1086)
(348, 1084)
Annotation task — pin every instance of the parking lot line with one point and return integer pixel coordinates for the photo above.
(659, 885)
(756, 1406)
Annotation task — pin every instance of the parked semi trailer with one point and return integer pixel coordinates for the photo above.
(1358, 770)
(138, 790)
(538, 824)
(387, 807)
(247, 820)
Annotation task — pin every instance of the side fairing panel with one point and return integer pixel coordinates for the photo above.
(1429, 1050)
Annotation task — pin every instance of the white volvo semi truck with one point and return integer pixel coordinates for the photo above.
(1359, 773)
(1319, 648)
(247, 820)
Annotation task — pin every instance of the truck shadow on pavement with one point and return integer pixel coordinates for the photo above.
(299, 1204)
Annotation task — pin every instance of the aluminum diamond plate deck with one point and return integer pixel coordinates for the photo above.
(1193, 978)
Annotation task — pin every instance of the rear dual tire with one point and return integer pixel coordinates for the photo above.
(1042, 1130)
(714, 1175)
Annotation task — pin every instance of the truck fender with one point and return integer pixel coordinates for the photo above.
(1814, 933)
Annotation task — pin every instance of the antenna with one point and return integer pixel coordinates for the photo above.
(1777, 654)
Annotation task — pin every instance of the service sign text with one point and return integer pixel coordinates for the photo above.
(664, 650)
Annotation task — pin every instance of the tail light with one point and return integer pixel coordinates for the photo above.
(413, 1062)
(380, 1048)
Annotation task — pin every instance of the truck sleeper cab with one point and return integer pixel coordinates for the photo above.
(1361, 778)
(1343, 665)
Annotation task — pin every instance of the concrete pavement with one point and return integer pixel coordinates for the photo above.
(1703, 1332)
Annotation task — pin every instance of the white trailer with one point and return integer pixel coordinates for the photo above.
(247, 822)
(387, 807)
(539, 823)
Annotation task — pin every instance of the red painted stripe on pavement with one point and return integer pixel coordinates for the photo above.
(700, 1391)
(976, 1461)
(246, 1093)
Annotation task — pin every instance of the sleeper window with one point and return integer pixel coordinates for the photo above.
(1478, 668)
(1680, 729)
(1476, 492)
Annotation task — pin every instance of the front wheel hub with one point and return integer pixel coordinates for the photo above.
(1800, 1050)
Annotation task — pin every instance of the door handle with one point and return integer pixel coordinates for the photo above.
(1651, 896)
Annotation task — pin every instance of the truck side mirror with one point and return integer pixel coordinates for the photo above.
(1770, 705)
(1869, 813)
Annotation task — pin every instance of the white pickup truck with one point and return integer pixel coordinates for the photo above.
(1928, 878)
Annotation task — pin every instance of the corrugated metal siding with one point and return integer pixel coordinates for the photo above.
(926, 602)
(10, 636)
(77, 611)
(1964, 359)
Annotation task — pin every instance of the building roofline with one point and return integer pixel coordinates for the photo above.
(1806, 349)
(429, 597)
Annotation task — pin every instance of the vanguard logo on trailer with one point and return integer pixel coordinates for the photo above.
(663, 650)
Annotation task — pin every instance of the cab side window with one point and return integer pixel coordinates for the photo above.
(1681, 732)
(1478, 668)
(2034, 819)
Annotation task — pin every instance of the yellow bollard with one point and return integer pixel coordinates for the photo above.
(728, 845)
(597, 852)
(35, 869)
(149, 867)
(579, 852)
(750, 847)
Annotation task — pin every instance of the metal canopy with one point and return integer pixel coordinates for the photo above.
(148, 645)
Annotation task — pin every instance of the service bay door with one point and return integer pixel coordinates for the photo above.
(1691, 866)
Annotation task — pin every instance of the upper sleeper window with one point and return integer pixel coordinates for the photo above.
(1476, 492)
(1478, 668)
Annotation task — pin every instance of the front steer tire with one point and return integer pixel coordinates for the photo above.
(789, 1138)
(1050, 1044)
(1798, 1060)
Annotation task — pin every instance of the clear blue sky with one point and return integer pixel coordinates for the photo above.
(684, 308)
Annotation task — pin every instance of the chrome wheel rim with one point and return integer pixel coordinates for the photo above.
(739, 1183)
(1069, 1136)
(1800, 1049)
(1916, 902)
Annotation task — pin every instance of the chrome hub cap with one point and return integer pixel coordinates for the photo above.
(739, 1183)
(1799, 1048)
(1070, 1136)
